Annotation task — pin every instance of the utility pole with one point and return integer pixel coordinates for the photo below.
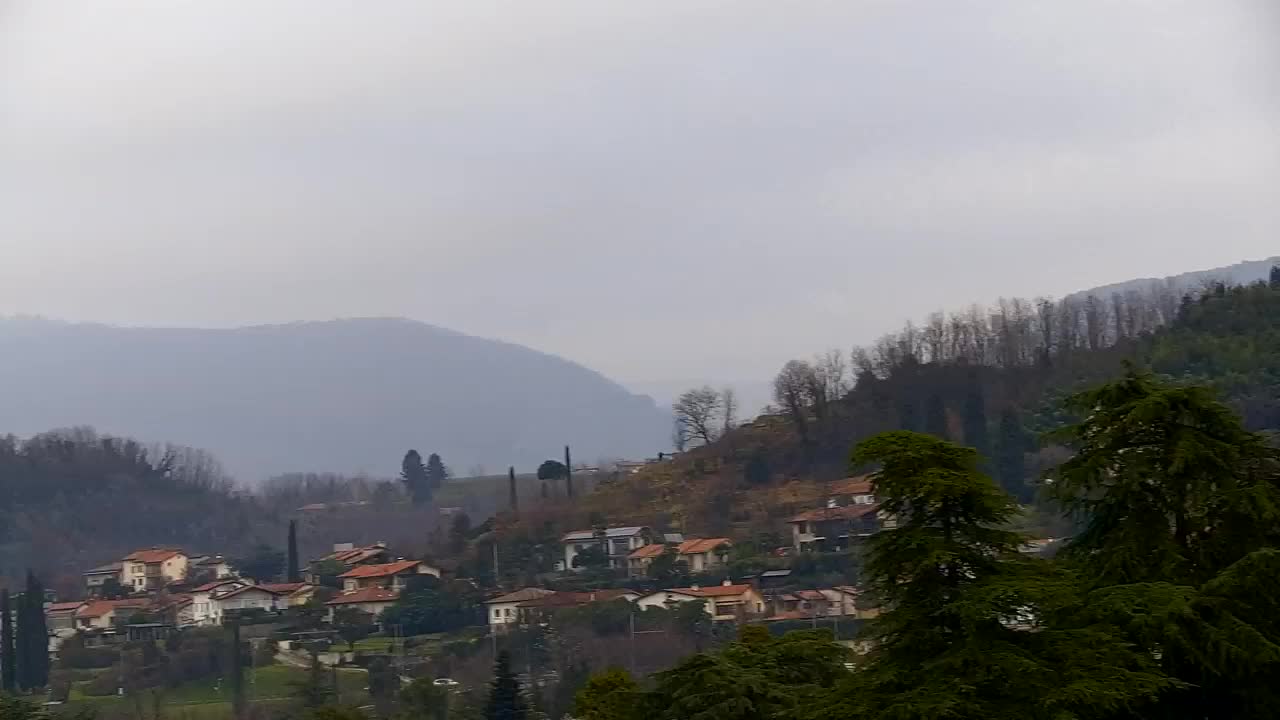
(568, 473)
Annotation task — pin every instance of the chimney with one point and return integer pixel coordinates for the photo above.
(695, 588)
(726, 582)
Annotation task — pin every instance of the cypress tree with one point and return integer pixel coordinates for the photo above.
(8, 654)
(413, 473)
(32, 637)
(568, 473)
(976, 433)
(513, 498)
(505, 701)
(935, 417)
(294, 574)
(437, 473)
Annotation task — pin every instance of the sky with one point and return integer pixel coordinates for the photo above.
(670, 192)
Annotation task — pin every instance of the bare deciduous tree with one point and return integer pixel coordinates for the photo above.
(791, 390)
(698, 412)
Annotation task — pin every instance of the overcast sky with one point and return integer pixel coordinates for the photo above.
(664, 191)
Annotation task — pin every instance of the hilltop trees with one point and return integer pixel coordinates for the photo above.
(293, 572)
(437, 472)
(263, 564)
(413, 473)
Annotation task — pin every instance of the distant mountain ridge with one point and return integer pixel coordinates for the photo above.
(1242, 273)
(343, 395)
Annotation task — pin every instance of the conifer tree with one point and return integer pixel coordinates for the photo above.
(413, 473)
(293, 572)
(1275, 276)
(8, 654)
(32, 638)
(505, 701)
(437, 473)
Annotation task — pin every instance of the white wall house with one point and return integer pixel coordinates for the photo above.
(618, 543)
(505, 610)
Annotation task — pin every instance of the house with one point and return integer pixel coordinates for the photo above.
(505, 609)
(393, 575)
(837, 601)
(723, 602)
(97, 577)
(61, 617)
(203, 609)
(246, 598)
(210, 567)
(699, 554)
(347, 556)
(106, 614)
(563, 600)
(370, 600)
(704, 554)
(147, 570)
(291, 594)
(618, 544)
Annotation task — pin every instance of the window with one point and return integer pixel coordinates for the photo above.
(508, 612)
(497, 613)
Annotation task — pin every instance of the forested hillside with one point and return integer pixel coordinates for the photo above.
(991, 378)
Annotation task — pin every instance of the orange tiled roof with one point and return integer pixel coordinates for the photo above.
(701, 545)
(283, 588)
(367, 595)
(848, 512)
(652, 550)
(355, 556)
(713, 590)
(216, 584)
(98, 608)
(155, 555)
(522, 595)
(860, 485)
(64, 606)
(384, 570)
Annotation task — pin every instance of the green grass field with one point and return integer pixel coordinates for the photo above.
(211, 699)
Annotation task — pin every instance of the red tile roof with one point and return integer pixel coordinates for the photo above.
(64, 606)
(848, 512)
(701, 545)
(355, 556)
(860, 485)
(98, 608)
(216, 584)
(284, 588)
(367, 595)
(154, 555)
(713, 590)
(384, 570)
(652, 550)
(523, 595)
(245, 589)
(576, 599)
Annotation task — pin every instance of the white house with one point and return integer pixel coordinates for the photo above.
(203, 608)
(618, 543)
(248, 597)
(505, 609)
(723, 602)
(392, 575)
(370, 600)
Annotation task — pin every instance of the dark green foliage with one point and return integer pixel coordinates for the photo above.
(424, 700)
(935, 417)
(32, 637)
(593, 556)
(431, 605)
(437, 473)
(1013, 444)
(263, 564)
(317, 689)
(505, 700)
(413, 473)
(976, 432)
(960, 603)
(513, 498)
(8, 651)
(757, 677)
(235, 671)
(757, 470)
(12, 708)
(293, 571)
(1180, 508)
(1275, 277)
(551, 470)
(668, 570)
(384, 685)
(610, 695)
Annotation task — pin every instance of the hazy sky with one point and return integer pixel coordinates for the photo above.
(665, 191)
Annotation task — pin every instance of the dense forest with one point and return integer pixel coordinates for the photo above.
(992, 378)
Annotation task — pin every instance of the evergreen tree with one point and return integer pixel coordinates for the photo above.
(8, 654)
(437, 473)
(976, 433)
(935, 417)
(413, 473)
(513, 498)
(1275, 276)
(956, 637)
(239, 701)
(505, 701)
(1180, 507)
(32, 639)
(293, 571)
(317, 689)
(1010, 459)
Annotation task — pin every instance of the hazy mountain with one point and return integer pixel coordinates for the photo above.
(344, 395)
(1241, 273)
